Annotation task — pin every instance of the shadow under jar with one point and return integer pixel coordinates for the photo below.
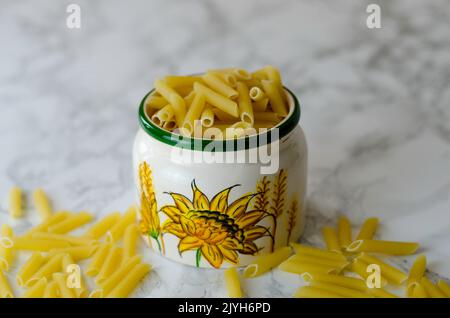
(202, 207)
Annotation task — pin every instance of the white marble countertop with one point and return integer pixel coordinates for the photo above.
(375, 109)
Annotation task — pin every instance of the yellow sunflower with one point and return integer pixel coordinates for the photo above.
(217, 230)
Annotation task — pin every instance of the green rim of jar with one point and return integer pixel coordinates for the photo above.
(247, 142)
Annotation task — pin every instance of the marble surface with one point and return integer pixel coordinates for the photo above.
(375, 109)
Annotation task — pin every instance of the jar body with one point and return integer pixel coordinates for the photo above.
(218, 215)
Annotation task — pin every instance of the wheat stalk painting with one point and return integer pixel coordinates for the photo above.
(278, 201)
(292, 217)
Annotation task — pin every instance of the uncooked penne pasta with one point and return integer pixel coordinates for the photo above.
(41, 245)
(112, 262)
(223, 116)
(116, 232)
(316, 252)
(416, 273)
(101, 227)
(163, 115)
(52, 220)
(207, 117)
(76, 252)
(169, 125)
(340, 290)
(384, 247)
(245, 104)
(419, 291)
(98, 259)
(344, 231)
(228, 78)
(300, 268)
(53, 265)
(266, 262)
(194, 113)
(240, 73)
(260, 74)
(276, 99)
(314, 292)
(130, 281)
(217, 100)
(177, 102)
(130, 240)
(177, 81)
(331, 239)
(319, 261)
(51, 290)
(42, 204)
(389, 272)
(113, 280)
(7, 252)
(156, 102)
(15, 202)
(273, 74)
(261, 106)
(219, 86)
(232, 282)
(5, 288)
(368, 229)
(81, 291)
(432, 290)
(31, 266)
(256, 94)
(72, 240)
(37, 290)
(64, 291)
(359, 267)
(348, 282)
(444, 287)
(71, 223)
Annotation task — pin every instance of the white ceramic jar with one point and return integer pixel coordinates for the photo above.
(199, 208)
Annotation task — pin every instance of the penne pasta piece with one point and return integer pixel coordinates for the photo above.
(31, 266)
(238, 72)
(51, 290)
(381, 293)
(266, 262)
(219, 86)
(163, 115)
(189, 98)
(359, 267)
(228, 78)
(432, 290)
(177, 81)
(5, 288)
(319, 261)
(217, 100)
(112, 262)
(71, 223)
(389, 272)
(53, 265)
(7, 252)
(207, 117)
(183, 91)
(156, 102)
(54, 219)
(316, 252)
(266, 116)
(169, 125)
(275, 98)
(174, 99)
(64, 291)
(72, 240)
(76, 252)
(130, 240)
(245, 104)
(101, 227)
(113, 280)
(331, 239)
(232, 282)
(348, 282)
(342, 291)
(444, 287)
(257, 94)
(314, 292)
(129, 282)
(260, 74)
(194, 113)
(294, 267)
(41, 245)
(368, 229)
(116, 232)
(416, 273)
(273, 74)
(384, 247)
(419, 291)
(42, 204)
(98, 259)
(344, 232)
(37, 290)
(15, 202)
(223, 116)
(261, 106)
(81, 291)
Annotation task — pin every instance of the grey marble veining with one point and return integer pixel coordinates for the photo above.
(375, 109)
